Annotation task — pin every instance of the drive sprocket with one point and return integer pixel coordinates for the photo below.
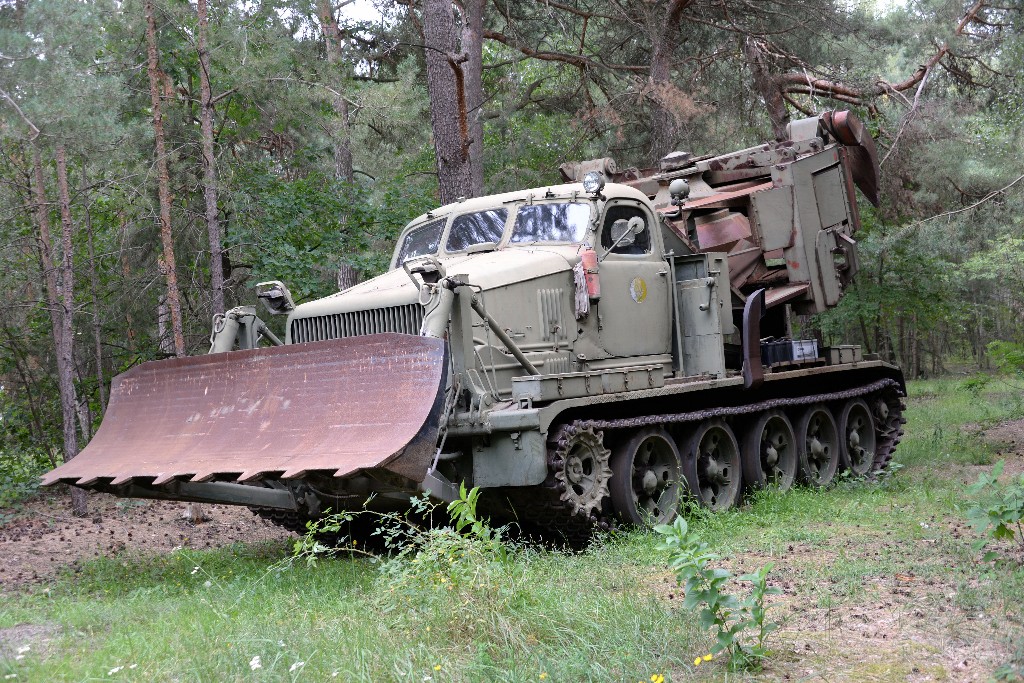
(582, 469)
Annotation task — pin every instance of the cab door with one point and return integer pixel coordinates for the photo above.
(633, 313)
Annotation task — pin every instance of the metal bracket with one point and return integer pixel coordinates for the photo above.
(753, 311)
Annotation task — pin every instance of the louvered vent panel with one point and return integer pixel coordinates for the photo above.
(555, 366)
(404, 319)
(551, 324)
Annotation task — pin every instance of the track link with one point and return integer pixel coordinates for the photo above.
(544, 512)
(542, 509)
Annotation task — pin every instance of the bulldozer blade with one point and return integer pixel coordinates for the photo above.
(338, 407)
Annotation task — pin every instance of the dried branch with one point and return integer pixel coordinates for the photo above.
(804, 83)
(906, 119)
(947, 214)
(578, 61)
(32, 126)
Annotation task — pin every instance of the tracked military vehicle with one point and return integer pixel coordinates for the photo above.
(585, 353)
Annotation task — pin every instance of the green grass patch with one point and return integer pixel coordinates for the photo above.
(245, 613)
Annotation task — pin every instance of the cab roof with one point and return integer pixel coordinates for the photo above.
(566, 191)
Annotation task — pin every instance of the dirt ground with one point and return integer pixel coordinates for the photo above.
(910, 626)
(40, 537)
(905, 627)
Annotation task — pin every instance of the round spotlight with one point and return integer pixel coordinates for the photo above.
(593, 182)
(679, 190)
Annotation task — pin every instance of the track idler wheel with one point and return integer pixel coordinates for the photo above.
(646, 478)
(712, 466)
(818, 445)
(770, 451)
(857, 429)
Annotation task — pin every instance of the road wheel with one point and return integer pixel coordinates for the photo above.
(857, 428)
(646, 478)
(817, 445)
(769, 451)
(712, 466)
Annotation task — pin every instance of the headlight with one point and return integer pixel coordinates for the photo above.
(593, 182)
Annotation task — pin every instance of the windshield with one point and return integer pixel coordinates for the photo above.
(476, 228)
(566, 222)
(422, 240)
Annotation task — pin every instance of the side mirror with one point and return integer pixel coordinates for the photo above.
(621, 235)
(624, 233)
(275, 297)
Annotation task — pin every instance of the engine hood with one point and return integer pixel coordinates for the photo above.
(488, 271)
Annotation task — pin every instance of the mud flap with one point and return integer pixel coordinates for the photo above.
(332, 407)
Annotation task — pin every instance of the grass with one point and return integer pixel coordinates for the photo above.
(602, 615)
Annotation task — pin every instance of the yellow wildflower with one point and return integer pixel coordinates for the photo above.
(437, 667)
(697, 661)
(657, 678)
(543, 675)
(708, 657)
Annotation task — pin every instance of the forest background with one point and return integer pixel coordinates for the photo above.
(158, 158)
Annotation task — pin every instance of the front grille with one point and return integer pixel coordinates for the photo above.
(405, 319)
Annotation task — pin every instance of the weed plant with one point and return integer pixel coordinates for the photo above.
(998, 514)
(741, 629)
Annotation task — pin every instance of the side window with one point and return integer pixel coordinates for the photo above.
(422, 240)
(640, 245)
(475, 228)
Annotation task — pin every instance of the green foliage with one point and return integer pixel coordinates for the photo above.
(464, 518)
(1008, 356)
(410, 536)
(20, 471)
(730, 616)
(301, 230)
(999, 511)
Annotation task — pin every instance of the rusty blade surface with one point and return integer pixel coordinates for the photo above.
(852, 132)
(341, 406)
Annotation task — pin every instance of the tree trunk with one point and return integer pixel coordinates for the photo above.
(46, 249)
(167, 265)
(767, 86)
(664, 116)
(126, 277)
(340, 134)
(163, 314)
(209, 165)
(79, 504)
(445, 86)
(66, 342)
(473, 84)
(97, 316)
(195, 512)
